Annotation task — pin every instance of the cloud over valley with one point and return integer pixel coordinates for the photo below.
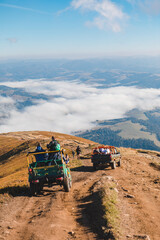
(73, 105)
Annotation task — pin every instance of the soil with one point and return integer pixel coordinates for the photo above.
(57, 215)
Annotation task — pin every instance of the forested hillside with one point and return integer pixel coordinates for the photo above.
(137, 130)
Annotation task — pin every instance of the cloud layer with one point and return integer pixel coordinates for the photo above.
(108, 14)
(75, 106)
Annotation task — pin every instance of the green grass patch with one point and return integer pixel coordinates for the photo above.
(110, 204)
(74, 163)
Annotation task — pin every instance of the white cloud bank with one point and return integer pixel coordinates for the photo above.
(151, 7)
(109, 15)
(77, 106)
(6, 105)
(12, 40)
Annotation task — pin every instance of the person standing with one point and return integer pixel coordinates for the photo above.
(73, 153)
(78, 151)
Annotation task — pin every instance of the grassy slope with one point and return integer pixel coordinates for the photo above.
(14, 174)
(14, 148)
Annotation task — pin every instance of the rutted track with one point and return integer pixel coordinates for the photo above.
(58, 215)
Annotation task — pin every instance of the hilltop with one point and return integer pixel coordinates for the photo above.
(106, 204)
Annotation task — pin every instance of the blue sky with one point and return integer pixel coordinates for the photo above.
(79, 28)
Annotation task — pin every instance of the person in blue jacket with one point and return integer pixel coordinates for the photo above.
(39, 157)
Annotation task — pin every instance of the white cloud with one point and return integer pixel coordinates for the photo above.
(151, 7)
(77, 106)
(12, 40)
(68, 89)
(6, 100)
(6, 106)
(109, 15)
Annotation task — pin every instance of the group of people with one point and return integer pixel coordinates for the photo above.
(101, 151)
(52, 146)
(78, 151)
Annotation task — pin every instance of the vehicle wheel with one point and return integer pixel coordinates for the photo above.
(95, 167)
(39, 188)
(32, 189)
(113, 165)
(66, 184)
(119, 163)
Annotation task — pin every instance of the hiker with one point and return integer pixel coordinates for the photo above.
(53, 146)
(73, 153)
(78, 151)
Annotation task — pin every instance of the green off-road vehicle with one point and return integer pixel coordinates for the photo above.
(51, 170)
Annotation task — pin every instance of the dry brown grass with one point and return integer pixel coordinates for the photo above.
(13, 163)
(110, 204)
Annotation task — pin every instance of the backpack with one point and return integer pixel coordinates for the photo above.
(58, 147)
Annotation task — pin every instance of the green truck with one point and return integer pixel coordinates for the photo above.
(51, 170)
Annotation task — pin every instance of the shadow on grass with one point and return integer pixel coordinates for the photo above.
(155, 165)
(24, 191)
(16, 191)
(91, 216)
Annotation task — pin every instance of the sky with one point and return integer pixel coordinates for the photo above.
(79, 28)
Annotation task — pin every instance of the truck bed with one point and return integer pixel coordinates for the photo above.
(106, 160)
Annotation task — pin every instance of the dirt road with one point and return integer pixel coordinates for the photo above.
(56, 215)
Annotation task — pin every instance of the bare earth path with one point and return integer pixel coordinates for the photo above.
(58, 215)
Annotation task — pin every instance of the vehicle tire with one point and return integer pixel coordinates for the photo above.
(39, 188)
(94, 167)
(32, 189)
(119, 163)
(66, 184)
(113, 165)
